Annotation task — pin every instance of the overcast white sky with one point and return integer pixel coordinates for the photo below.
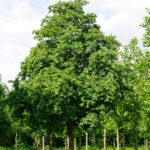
(19, 17)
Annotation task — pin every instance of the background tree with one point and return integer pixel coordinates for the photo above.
(146, 26)
(133, 60)
(5, 124)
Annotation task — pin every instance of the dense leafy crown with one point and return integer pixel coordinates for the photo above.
(72, 58)
(146, 25)
(66, 40)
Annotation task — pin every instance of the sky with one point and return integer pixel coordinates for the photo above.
(18, 18)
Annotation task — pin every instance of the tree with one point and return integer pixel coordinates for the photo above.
(70, 49)
(146, 25)
(4, 116)
(17, 102)
(143, 90)
(134, 62)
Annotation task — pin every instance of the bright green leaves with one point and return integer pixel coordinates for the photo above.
(65, 8)
(132, 53)
(101, 62)
(90, 122)
(146, 25)
(17, 100)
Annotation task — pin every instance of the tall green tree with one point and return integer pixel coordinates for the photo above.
(146, 26)
(134, 63)
(17, 102)
(4, 116)
(71, 63)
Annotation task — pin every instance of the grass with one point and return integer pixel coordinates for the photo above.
(4, 148)
(108, 148)
(8, 148)
(98, 148)
(83, 148)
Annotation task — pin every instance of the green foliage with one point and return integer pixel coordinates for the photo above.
(146, 25)
(4, 116)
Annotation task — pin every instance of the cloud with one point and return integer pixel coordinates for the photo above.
(17, 20)
(108, 24)
(124, 5)
(121, 17)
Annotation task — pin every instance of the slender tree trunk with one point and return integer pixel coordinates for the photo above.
(136, 129)
(146, 144)
(70, 134)
(16, 140)
(75, 144)
(86, 141)
(94, 141)
(80, 143)
(117, 139)
(105, 145)
(51, 141)
(39, 145)
(43, 143)
(67, 142)
(136, 137)
(114, 143)
(123, 142)
(35, 143)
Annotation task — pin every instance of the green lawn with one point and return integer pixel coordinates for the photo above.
(7, 148)
(108, 148)
(90, 148)
(4, 148)
(83, 148)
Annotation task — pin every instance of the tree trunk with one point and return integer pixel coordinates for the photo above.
(136, 137)
(67, 142)
(75, 144)
(70, 134)
(16, 140)
(136, 129)
(117, 139)
(51, 141)
(94, 141)
(114, 144)
(86, 141)
(80, 143)
(39, 145)
(123, 142)
(43, 143)
(146, 144)
(105, 145)
(35, 143)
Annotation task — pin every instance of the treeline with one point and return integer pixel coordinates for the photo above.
(78, 86)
